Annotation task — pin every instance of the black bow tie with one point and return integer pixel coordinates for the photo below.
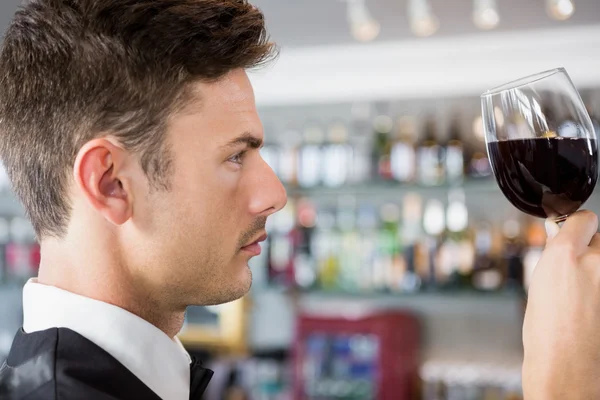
(199, 379)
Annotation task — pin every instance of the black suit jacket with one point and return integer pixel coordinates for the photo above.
(60, 364)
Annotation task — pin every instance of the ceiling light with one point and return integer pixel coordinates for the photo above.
(485, 14)
(363, 26)
(560, 9)
(422, 20)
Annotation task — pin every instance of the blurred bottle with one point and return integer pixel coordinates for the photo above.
(483, 246)
(404, 153)
(478, 164)
(382, 147)
(430, 156)
(491, 273)
(390, 266)
(362, 145)
(433, 225)
(349, 249)
(23, 252)
(456, 254)
(287, 162)
(4, 240)
(513, 256)
(234, 389)
(337, 156)
(305, 268)
(311, 156)
(271, 154)
(457, 380)
(454, 156)
(367, 223)
(317, 366)
(269, 380)
(364, 355)
(411, 232)
(283, 241)
(326, 249)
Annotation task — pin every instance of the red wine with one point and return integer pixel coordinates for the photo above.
(545, 177)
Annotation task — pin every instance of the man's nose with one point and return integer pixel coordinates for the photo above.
(269, 193)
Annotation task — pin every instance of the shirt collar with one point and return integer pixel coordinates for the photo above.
(160, 362)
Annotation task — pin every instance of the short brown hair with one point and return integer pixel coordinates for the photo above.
(71, 70)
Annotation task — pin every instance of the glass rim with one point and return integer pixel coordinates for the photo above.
(517, 83)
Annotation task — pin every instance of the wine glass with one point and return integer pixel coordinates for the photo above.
(541, 144)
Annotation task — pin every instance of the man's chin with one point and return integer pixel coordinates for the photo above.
(230, 291)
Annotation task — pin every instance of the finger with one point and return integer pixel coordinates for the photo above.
(578, 230)
(552, 229)
(595, 242)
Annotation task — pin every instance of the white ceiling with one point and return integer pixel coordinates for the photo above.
(320, 62)
(295, 23)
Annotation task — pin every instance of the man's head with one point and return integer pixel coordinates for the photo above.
(132, 123)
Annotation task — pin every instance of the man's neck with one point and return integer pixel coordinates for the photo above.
(104, 279)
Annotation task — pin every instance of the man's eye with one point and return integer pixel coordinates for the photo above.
(237, 158)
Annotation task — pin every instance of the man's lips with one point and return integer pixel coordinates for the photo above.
(254, 247)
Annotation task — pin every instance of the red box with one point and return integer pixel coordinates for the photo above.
(373, 357)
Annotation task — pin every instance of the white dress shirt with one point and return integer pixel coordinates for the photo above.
(160, 362)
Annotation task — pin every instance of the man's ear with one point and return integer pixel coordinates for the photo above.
(100, 174)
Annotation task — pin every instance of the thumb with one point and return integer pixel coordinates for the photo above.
(552, 229)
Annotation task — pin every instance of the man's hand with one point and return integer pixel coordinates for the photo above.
(561, 332)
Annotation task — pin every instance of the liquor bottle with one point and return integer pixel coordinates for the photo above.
(234, 388)
(287, 163)
(326, 249)
(487, 272)
(305, 268)
(430, 156)
(337, 156)
(513, 258)
(483, 246)
(367, 224)
(360, 170)
(434, 225)
(382, 147)
(411, 232)
(310, 158)
(454, 155)
(389, 265)
(22, 253)
(456, 254)
(349, 249)
(361, 126)
(507, 261)
(4, 240)
(271, 154)
(283, 239)
(478, 164)
(404, 156)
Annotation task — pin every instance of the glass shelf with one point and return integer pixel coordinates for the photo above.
(479, 186)
(464, 294)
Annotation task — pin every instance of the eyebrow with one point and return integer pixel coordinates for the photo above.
(246, 138)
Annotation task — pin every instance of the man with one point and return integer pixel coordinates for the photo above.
(130, 134)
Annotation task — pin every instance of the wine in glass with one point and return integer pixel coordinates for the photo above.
(541, 144)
